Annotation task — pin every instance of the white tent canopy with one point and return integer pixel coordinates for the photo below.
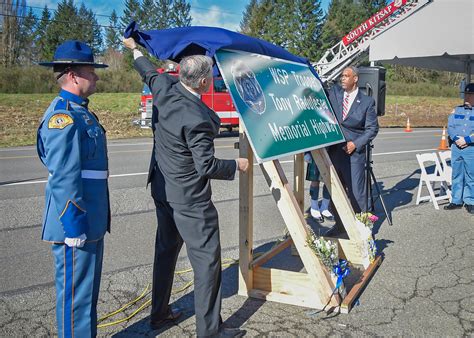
(439, 36)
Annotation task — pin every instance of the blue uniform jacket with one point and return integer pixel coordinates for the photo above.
(461, 124)
(71, 143)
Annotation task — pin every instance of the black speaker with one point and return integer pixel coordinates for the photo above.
(372, 83)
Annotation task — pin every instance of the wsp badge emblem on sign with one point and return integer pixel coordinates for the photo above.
(248, 87)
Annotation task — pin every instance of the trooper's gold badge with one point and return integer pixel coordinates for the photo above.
(59, 121)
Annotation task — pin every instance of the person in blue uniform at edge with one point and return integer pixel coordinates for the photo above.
(461, 137)
(71, 143)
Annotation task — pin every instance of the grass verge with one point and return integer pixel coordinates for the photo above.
(20, 114)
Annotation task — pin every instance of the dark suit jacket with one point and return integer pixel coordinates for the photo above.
(360, 126)
(184, 129)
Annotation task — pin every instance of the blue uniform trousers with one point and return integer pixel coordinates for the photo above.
(462, 163)
(78, 272)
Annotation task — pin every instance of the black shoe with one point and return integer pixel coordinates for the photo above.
(158, 323)
(230, 332)
(452, 206)
(470, 208)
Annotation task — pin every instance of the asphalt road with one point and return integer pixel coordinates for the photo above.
(26, 262)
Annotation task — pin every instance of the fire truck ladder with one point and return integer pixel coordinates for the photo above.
(339, 56)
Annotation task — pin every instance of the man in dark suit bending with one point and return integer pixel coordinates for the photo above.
(181, 168)
(358, 119)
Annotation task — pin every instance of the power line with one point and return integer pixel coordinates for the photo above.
(60, 21)
(52, 9)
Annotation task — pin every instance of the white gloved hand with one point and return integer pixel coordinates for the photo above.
(76, 242)
(308, 158)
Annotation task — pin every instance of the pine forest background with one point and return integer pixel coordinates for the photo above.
(301, 26)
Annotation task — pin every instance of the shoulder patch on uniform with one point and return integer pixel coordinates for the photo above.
(59, 121)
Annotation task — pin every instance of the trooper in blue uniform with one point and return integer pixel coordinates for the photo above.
(71, 144)
(461, 134)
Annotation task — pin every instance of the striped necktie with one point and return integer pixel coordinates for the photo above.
(345, 106)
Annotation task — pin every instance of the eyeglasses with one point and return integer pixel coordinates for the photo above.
(66, 70)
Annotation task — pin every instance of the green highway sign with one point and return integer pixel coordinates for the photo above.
(281, 103)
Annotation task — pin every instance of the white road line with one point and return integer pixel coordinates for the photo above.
(413, 132)
(404, 152)
(255, 164)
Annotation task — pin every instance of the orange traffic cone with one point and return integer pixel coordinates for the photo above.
(408, 128)
(443, 144)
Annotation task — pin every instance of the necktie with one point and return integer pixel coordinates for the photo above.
(345, 106)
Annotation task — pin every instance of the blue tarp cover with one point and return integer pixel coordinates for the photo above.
(175, 43)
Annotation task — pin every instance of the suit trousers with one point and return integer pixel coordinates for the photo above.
(197, 225)
(352, 174)
(78, 272)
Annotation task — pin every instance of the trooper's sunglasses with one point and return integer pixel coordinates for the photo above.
(65, 71)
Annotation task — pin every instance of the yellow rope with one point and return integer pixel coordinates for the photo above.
(148, 302)
(226, 262)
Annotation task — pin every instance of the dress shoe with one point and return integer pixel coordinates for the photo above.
(158, 323)
(470, 208)
(452, 206)
(317, 215)
(230, 332)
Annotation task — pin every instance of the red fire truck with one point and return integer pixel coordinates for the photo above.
(217, 98)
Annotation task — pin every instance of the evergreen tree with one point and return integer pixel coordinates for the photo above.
(163, 10)
(70, 23)
(372, 6)
(41, 37)
(148, 15)
(305, 31)
(247, 17)
(258, 18)
(63, 26)
(26, 39)
(292, 24)
(90, 31)
(342, 17)
(112, 35)
(278, 19)
(132, 12)
(180, 15)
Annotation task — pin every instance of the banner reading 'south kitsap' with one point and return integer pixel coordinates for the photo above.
(281, 103)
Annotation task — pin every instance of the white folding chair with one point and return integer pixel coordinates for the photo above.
(430, 180)
(445, 156)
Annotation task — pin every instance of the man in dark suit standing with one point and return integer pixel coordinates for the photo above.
(358, 119)
(181, 168)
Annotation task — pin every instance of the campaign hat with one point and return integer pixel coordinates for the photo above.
(73, 53)
(469, 89)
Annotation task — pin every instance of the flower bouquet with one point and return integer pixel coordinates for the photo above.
(367, 220)
(326, 250)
